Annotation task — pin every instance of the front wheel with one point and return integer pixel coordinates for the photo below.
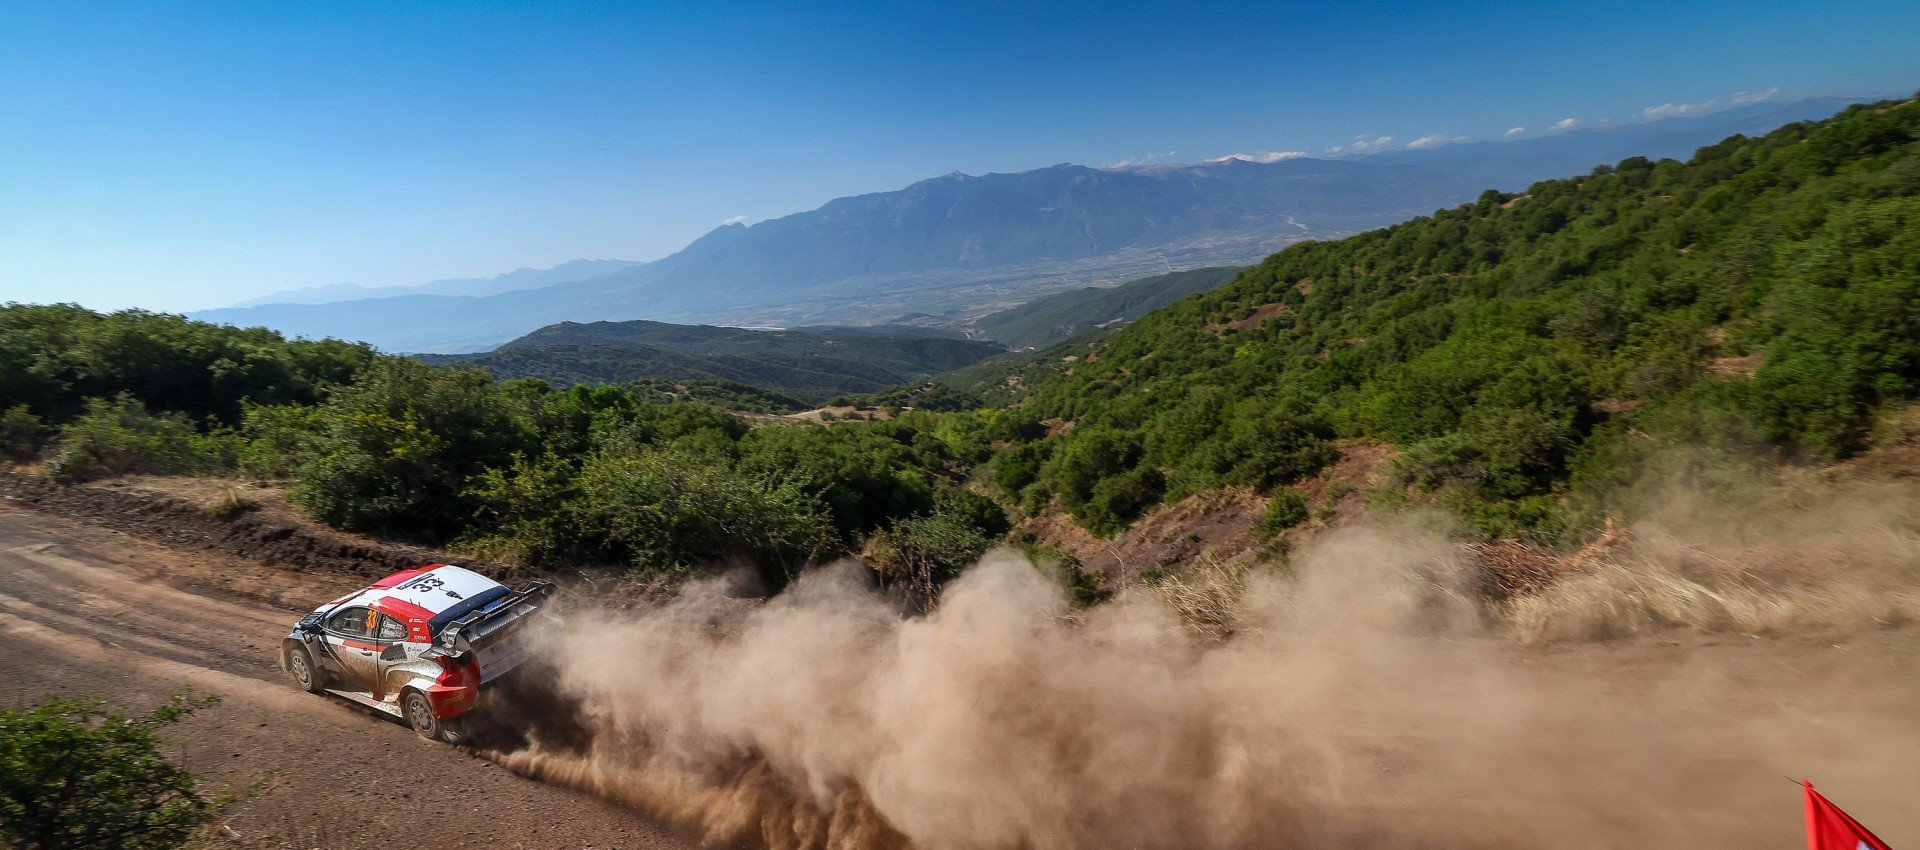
(419, 714)
(304, 672)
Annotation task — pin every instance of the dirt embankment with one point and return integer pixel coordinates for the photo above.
(1212, 529)
(182, 512)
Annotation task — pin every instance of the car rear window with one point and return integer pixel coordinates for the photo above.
(464, 607)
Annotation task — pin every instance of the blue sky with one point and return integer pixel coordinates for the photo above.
(178, 156)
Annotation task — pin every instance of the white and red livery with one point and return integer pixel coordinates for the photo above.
(418, 645)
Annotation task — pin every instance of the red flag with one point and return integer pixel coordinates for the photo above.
(1828, 828)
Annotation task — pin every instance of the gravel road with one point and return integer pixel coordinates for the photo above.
(85, 610)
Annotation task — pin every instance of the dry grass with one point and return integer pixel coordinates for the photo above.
(1642, 591)
(232, 503)
(1208, 597)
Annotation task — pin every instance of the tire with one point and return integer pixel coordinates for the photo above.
(419, 714)
(305, 673)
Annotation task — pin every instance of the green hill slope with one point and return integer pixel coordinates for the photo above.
(1522, 351)
(1056, 317)
(809, 366)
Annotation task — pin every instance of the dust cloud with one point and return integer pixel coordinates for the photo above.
(1368, 699)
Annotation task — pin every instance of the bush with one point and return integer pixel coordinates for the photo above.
(1521, 452)
(979, 511)
(119, 437)
(866, 474)
(394, 452)
(924, 552)
(1116, 501)
(22, 434)
(278, 439)
(73, 774)
(1020, 466)
(1275, 448)
(1088, 457)
(662, 514)
(525, 514)
(1288, 509)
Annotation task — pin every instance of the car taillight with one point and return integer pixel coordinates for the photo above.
(457, 673)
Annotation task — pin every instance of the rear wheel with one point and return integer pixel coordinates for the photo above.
(419, 714)
(305, 673)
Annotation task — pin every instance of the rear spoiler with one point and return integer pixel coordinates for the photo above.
(460, 635)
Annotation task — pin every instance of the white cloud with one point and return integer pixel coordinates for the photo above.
(1739, 98)
(1262, 157)
(1336, 148)
(734, 220)
(1566, 124)
(1142, 159)
(1513, 132)
(1435, 140)
(1362, 143)
(1671, 110)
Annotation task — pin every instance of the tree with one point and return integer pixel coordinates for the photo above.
(396, 450)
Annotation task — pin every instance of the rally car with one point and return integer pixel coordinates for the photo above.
(418, 645)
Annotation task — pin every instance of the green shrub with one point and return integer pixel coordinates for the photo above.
(866, 474)
(1087, 455)
(525, 514)
(1287, 509)
(1083, 585)
(1275, 447)
(979, 511)
(278, 439)
(924, 552)
(395, 451)
(663, 514)
(120, 437)
(74, 774)
(1020, 466)
(22, 434)
(1116, 501)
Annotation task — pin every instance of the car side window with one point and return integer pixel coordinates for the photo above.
(351, 622)
(391, 629)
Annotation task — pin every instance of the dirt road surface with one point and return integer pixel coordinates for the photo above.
(85, 610)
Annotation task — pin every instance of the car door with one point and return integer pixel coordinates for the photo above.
(350, 636)
(390, 635)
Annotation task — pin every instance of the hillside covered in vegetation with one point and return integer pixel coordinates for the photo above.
(1525, 355)
(809, 364)
(1064, 314)
(1522, 351)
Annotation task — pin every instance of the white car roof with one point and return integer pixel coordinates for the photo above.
(435, 589)
(439, 588)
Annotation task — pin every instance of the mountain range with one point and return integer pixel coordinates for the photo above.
(953, 249)
(512, 281)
